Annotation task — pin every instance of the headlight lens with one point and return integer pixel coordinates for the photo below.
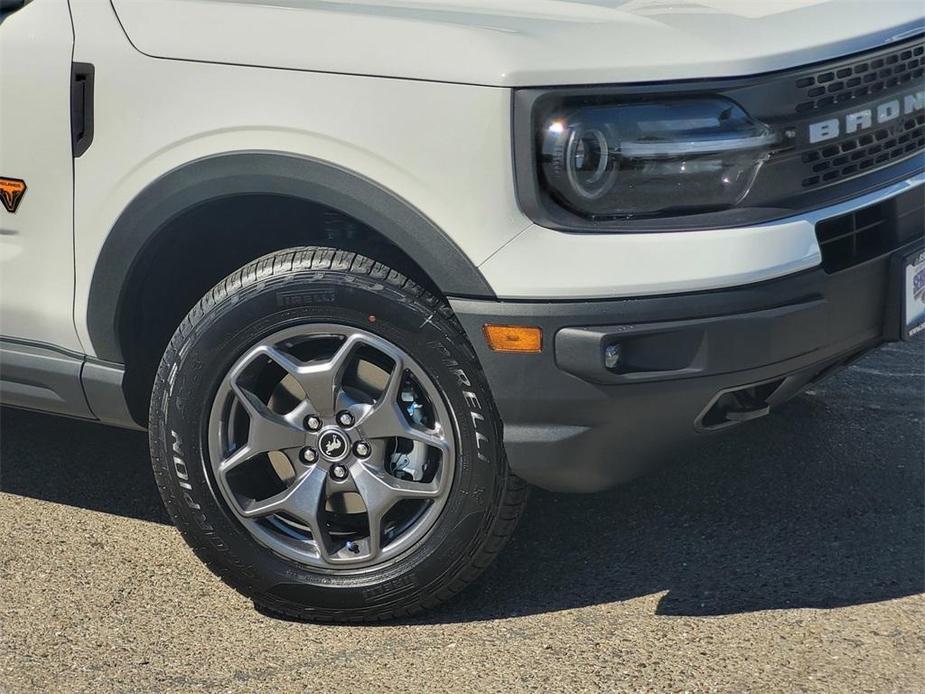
(634, 159)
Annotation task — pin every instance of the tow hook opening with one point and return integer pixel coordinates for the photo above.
(740, 405)
(744, 403)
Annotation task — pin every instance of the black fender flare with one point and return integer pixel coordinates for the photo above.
(238, 173)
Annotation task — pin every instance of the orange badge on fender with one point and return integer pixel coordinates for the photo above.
(11, 192)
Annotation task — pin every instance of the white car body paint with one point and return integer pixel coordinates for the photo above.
(36, 250)
(458, 174)
(514, 43)
(624, 265)
(414, 96)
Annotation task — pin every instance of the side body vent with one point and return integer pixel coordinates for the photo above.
(81, 107)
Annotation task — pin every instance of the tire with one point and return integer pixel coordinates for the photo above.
(462, 500)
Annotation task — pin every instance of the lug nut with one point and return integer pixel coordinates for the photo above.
(345, 419)
(339, 472)
(362, 449)
(313, 423)
(309, 455)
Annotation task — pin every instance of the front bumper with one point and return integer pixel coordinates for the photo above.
(691, 364)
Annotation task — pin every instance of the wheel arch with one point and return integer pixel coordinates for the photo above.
(254, 173)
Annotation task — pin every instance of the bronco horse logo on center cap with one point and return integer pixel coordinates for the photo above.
(333, 445)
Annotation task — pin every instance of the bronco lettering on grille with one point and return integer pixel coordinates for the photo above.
(867, 118)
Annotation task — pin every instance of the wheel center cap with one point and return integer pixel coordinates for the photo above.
(334, 445)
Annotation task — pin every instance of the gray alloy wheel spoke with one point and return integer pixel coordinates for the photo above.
(385, 419)
(365, 477)
(241, 455)
(377, 503)
(434, 439)
(320, 381)
(268, 431)
(382, 420)
(380, 494)
(304, 501)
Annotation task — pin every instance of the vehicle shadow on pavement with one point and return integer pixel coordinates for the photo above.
(820, 506)
(68, 461)
(786, 517)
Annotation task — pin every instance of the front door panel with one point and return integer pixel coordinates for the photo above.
(36, 175)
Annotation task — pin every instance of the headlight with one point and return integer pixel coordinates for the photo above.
(642, 159)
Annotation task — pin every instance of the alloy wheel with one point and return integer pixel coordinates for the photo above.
(331, 446)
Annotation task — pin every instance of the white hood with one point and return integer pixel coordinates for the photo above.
(518, 42)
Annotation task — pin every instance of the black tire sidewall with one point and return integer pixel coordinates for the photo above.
(180, 439)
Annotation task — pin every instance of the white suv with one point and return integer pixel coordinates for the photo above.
(363, 270)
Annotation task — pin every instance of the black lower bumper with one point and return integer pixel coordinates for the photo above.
(689, 365)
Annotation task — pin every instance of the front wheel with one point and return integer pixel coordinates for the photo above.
(323, 438)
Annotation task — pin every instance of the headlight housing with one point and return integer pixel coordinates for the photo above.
(650, 158)
(731, 152)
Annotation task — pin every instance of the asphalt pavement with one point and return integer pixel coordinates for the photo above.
(786, 556)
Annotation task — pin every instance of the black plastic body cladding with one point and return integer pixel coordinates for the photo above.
(570, 424)
(242, 173)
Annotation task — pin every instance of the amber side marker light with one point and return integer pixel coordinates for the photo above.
(513, 338)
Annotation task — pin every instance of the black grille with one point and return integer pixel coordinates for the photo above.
(829, 163)
(862, 78)
(871, 231)
(803, 173)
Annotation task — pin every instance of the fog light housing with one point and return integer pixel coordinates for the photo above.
(612, 355)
